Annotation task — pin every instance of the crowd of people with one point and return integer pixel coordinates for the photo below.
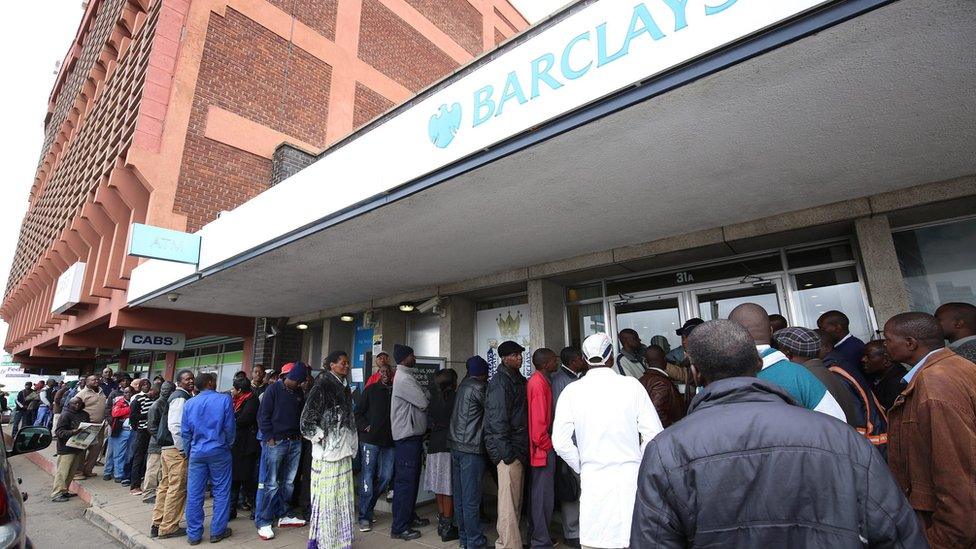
(750, 433)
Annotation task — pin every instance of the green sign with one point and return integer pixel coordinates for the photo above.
(166, 244)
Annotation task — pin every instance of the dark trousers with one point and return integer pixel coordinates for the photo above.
(543, 499)
(302, 498)
(406, 464)
(466, 473)
(245, 478)
(140, 449)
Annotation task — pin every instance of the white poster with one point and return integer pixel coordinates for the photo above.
(502, 324)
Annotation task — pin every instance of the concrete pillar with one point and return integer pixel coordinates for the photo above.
(392, 327)
(248, 355)
(457, 333)
(547, 317)
(885, 285)
(337, 336)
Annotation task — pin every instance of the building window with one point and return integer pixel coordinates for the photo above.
(938, 264)
(585, 319)
(424, 334)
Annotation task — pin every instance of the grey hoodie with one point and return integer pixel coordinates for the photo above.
(408, 411)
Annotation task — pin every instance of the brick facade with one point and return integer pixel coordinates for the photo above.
(168, 112)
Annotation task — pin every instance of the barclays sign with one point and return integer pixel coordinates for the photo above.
(652, 30)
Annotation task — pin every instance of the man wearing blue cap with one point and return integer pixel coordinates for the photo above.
(281, 450)
(408, 422)
(466, 439)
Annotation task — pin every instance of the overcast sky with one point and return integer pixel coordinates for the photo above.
(31, 54)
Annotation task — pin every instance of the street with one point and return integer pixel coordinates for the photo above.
(50, 524)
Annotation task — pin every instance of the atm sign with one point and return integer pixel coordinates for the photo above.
(153, 341)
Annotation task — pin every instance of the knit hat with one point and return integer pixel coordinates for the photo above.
(298, 371)
(477, 366)
(798, 341)
(400, 352)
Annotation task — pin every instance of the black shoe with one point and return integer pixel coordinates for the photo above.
(106, 477)
(154, 531)
(418, 522)
(406, 535)
(70, 495)
(194, 541)
(124, 482)
(150, 500)
(223, 535)
(60, 498)
(232, 515)
(178, 533)
(572, 542)
(450, 532)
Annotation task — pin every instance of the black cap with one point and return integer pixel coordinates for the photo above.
(510, 348)
(689, 325)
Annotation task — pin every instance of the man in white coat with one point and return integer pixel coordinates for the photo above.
(612, 419)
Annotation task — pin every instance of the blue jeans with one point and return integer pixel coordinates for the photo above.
(375, 475)
(466, 472)
(17, 421)
(276, 480)
(118, 449)
(215, 470)
(406, 483)
(43, 416)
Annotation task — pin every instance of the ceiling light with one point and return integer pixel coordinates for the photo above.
(347, 317)
(808, 284)
(406, 307)
(302, 326)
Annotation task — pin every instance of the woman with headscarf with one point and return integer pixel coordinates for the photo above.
(246, 450)
(328, 423)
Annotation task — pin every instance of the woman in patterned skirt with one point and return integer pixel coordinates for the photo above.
(328, 422)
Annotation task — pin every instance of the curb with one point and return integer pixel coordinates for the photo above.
(122, 532)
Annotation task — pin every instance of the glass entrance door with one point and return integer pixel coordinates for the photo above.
(653, 316)
(717, 302)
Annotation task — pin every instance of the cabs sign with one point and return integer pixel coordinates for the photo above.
(153, 341)
(166, 244)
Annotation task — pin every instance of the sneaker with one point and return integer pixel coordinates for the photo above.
(418, 522)
(194, 541)
(70, 495)
(150, 500)
(365, 526)
(290, 522)
(154, 531)
(60, 498)
(124, 482)
(389, 496)
(406, 535)
(265, 532)
(106, 477)
(79, 477)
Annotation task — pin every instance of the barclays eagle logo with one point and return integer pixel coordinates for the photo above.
(444, 125)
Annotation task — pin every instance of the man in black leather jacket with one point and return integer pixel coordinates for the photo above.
(507, 440)
(465, 438)
(749, 468)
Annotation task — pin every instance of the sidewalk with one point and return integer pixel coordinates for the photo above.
(127, 518)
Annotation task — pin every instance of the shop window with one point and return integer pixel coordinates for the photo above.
(585, 320)
(832, 289)
(583, 293)
(835, 253)
(938, 264)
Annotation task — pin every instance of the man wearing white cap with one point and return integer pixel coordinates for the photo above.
(612, 419)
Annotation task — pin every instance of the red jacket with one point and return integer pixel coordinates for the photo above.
(120, 408)
(538, 392)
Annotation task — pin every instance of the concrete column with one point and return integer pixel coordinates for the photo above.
(885, 285)
(337, 336)
(392, 327)
(248, 356)
(457, 333)
(546, 314)
(170, 369)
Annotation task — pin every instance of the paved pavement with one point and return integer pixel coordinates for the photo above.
(51, 524)
(127, 519)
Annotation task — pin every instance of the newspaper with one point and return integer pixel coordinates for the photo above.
(89, 433)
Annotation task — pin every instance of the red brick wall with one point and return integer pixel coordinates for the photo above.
(248, 70)
(457, 18)
(397, 50)
(320, 15)
(368, 106)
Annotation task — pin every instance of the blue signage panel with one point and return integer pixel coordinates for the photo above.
(166, 244)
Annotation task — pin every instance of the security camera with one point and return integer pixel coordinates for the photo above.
(172, 297)
(428, 306)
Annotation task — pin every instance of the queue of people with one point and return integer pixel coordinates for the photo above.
(753, 433)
